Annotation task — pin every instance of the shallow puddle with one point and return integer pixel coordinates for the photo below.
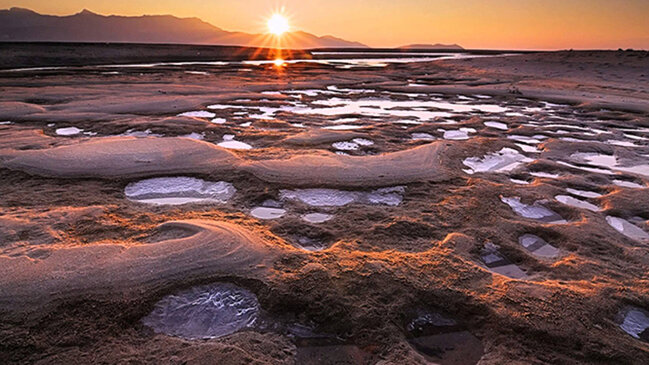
(203, 312)
(499, 264)
(179, 190)
(442, 340)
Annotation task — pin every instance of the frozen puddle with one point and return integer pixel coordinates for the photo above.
(499, 264)
(627, 228)
(204, 312)
(338, 198)
(267, 213)
(635, 322)
(198, 114)
(69, 131)
(442, 340)
(577, 203)
(538, 246)
(504, 160)
(535, 211)
(179, 190)
(317, 217)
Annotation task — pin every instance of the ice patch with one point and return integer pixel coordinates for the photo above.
(337, 198)
(505, 160)
(317, 217)
(627, 228)
(628, 184)
(636, 322)
(574, 202)
(538, 246)
(218, 121)
(267, 213)
(497, 125)
(583, 193)
(204, 312)
(198, 114)
(69, 131)
(343, 127)
(363, 141)
(422, 137)
(461, 134)
(179, 190)
(345, 146)
(229, 142)
(535, 211)
(545, 175)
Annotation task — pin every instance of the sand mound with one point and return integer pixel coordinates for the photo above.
(214, 248)
(126, 157)
(15, 110)
(319, 136)
(123, 157)
(417, 164)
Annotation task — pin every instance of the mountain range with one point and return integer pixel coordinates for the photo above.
(23, 25)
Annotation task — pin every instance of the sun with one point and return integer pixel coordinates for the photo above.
(278, 24)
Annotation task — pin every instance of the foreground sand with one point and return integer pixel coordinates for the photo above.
(81, 264)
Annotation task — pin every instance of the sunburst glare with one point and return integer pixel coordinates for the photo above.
(278, 24)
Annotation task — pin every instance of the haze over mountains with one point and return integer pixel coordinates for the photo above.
(18, 24)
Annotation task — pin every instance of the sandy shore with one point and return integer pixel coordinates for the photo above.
(398, 206)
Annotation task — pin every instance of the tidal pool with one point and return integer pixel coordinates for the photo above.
(179, 190)
(204, 312)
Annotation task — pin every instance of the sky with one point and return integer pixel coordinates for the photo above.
(484, 24)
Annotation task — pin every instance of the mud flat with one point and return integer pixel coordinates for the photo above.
(338, 211)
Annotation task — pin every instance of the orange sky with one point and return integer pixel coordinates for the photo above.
(502, 24)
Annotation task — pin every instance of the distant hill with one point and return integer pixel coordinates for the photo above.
(433, 46)
(17, 24)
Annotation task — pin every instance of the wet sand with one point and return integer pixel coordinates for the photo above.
(490, 210)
